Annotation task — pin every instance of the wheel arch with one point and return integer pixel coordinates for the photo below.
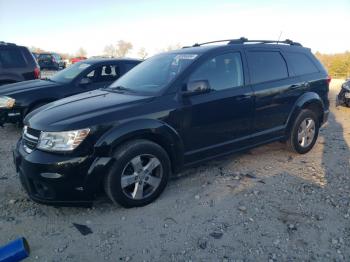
(153, 130)
(310, 100)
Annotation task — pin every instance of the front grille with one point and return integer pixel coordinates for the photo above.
(30, 139)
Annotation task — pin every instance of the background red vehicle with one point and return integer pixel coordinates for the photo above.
(77, 59)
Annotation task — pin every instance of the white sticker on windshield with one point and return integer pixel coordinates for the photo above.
(83, 66)
(186, 56)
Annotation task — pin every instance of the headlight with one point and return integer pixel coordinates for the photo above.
(62, 141)
(7, 102)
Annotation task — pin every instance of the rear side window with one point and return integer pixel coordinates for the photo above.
(301, 63)
(266, 66)
(44, 57)
(12, 58)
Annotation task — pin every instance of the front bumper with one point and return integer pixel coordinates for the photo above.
(57, 179)
(10, 116)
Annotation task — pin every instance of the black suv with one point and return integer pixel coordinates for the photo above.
(171, 111)
(51, 61)
(343, 97)
(17, 64)
(19, 99)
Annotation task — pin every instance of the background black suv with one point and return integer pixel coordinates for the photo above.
(17, 100)
(51, 61)
(17, 64)
(171, 111)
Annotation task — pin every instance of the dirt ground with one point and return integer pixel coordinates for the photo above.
(263, 205)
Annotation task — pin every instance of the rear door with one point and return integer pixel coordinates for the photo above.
(214, 121)
(276, 90)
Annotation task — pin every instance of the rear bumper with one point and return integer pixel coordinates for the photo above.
(59, 180)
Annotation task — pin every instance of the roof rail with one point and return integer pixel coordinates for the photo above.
(244, 40)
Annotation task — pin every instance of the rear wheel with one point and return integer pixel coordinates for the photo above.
(139, 175)
(304, 132)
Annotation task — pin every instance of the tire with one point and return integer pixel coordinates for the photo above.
(130, 157)
(302, 142)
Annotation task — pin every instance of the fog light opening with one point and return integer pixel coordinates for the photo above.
(51, 175)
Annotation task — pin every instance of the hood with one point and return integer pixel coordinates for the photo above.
(84, 110)
(25, 86)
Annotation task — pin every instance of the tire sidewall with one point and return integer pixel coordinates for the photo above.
(294, 135)
(123, 157)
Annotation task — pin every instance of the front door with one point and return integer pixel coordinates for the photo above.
(215, 120)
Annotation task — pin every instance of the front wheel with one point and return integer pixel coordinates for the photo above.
(139, 175)
(304, 132)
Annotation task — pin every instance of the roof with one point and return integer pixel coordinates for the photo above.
(231, 43)
(102, 60)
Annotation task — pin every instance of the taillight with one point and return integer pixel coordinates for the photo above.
(37, 73)
(329, 79)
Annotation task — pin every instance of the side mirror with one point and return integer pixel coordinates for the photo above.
(196, 88)
(85, 81)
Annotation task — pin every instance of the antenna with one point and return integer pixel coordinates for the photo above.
(279, 37)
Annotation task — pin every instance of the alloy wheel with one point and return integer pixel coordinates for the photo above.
(141, 176)
(306, 132)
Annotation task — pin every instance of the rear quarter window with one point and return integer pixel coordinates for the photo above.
(12, 58)
(265, 66)
(301, 63)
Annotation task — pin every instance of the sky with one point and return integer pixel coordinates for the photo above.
(66, 25)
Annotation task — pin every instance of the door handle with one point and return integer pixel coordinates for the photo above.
(243, 97)
(294, 86)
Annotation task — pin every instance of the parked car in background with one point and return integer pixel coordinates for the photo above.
(77, 59)
(51, 61)
(17, 100)
(17, 64)
(171, 111)
(343, 97)
(36, 55)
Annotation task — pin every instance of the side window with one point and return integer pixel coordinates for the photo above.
(12, 58)
(266, 66)
(91, 74)
(106, 73)
(129, 66)
(222, 72)
(301, 63)
(109, 73)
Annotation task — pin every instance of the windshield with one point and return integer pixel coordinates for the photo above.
(154, 74)
(68, 74)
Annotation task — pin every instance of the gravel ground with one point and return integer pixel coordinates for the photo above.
(266, 204)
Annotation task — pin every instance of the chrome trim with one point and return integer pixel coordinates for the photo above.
(25, 134)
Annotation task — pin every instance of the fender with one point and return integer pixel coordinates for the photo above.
(306, 100)
(154, 130)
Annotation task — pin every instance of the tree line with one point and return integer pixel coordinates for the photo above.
(120, 49)
(337, 65)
